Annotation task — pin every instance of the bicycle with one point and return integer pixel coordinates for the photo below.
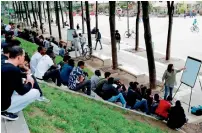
(130, 34)
(86, 52)
(194, 29)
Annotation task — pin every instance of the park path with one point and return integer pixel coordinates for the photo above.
(138, 61)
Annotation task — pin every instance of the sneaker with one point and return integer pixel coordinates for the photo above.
(9, 116)
(43, 99)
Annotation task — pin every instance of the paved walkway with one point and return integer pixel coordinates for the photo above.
(139, 62)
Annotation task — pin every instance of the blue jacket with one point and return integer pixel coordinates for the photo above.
(65, 72)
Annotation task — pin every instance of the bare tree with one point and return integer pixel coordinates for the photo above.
(170, 6)
(112, 6)
(49, 20)
(44, 11)
(83, 28)
(40, 18)
(148, 42)
(57, 18)
(25, 7)
(96, 17)
(62, 14)
(137, 27)
(88, 26)
(33, 12)
(28, 12)
(71, 20)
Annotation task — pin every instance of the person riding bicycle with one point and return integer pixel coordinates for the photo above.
(195, 23)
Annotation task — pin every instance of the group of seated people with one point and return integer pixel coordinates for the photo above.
(20, 87)
(138, 97)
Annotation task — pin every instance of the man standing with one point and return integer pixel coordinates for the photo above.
(118, 38)
(82, 41)
(98, 39)
(15, 94)
(77, 79)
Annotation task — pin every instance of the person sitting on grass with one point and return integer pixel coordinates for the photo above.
(77, 79)
(100, 84)
(17, 31)
(66, 70)
(66, 58)
(111, 94)
(149, 98)
(5, 54)
(176, 117)
(25, 69)
(46, 69)
(163, 108)
(134, 99)
(36, 57)
(155, 103)
(95, 79)
(15, 94)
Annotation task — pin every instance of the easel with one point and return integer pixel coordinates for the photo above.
(191, 91)
(192, 86)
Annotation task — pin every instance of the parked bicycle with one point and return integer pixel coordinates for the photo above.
(194, 29)
(130, 33)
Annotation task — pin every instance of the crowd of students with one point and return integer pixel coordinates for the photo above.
(20, 87)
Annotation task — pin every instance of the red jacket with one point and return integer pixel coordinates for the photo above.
(162, 109)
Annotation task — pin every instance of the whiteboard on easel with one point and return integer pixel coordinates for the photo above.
(191, 72)
(70, 33)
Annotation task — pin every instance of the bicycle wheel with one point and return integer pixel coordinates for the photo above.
(126, 34)
(197, 29)
(87, 54)
(192, 29)
(133, 34)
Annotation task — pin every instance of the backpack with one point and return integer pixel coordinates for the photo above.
(196, 110)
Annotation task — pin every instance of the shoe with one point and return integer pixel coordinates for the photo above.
(94, 49)
(9, 116)
(43, 99)
(100, 48)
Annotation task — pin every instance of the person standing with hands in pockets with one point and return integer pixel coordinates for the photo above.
(169, 77)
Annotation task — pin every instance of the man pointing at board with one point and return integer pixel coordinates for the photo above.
(169, 77)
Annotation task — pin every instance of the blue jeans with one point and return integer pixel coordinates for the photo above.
(141, 104)
(170, 89)
(115, 98)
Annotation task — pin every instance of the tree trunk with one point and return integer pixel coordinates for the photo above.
(62, 14)
(33, 12)
(40, 18)
(170, 13)
(22, 11)
(148, 42)
(88, 26)
(44, 11)
(57, 18)
(137, 27)
(83, 28)
(49, 20)
(96, 17)
(17, 9)
(36, 10)
(128, 20)
(71, 21)
(112, 7)
(27, 5)
(14, 9)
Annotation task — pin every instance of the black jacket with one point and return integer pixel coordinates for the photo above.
(176, 117)
(117, 36)
(11, 80)
(131, 97)
(109, 90)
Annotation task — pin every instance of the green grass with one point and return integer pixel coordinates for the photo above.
(5, 20)
(30, 48)
(73, 113)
